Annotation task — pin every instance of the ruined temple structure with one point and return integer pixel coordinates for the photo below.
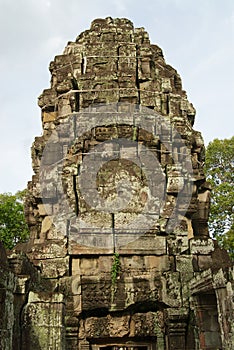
(141, 273)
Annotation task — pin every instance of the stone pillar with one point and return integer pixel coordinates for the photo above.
(200, 218)
(207, 317)
(176, 328)
(42, 322)
(7, 286)
(224, 291)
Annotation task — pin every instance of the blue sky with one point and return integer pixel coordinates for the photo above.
(197, 38)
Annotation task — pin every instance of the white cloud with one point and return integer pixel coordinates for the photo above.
(120, 6)
(53, 45)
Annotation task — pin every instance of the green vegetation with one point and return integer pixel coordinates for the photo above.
(219, 169)
(13, 227)
(115, 269)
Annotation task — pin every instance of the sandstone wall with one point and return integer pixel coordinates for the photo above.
(145, 274)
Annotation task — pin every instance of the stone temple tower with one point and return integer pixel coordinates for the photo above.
(118, 208)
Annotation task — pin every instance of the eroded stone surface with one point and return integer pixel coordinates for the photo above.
(166, 288)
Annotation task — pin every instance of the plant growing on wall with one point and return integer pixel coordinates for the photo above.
(115, 269)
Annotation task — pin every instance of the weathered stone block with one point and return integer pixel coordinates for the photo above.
(201, 246)
(49, 250)
(171, 289)
(177, 245)
(204, 262)
(96, 292)
(157, 263)
(107, 327)
(147, 244)
(54, 268)
(143, 325)
(184, 264)
(49, 116)
(46, 224)
(43, 322)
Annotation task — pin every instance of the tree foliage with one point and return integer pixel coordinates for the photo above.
(219, 168)
(13, 227)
